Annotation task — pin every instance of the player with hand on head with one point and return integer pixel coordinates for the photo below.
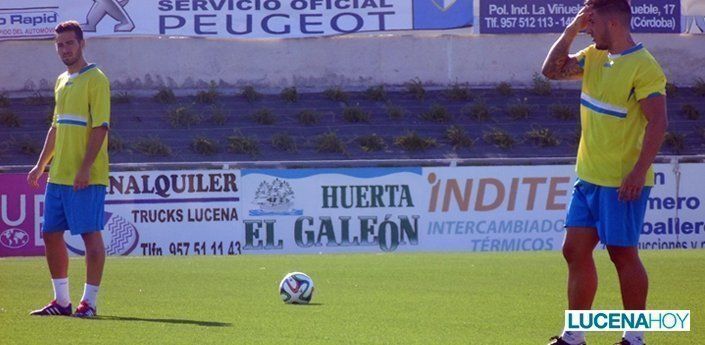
(623, 120)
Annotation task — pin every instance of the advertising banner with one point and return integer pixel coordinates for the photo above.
(231, 18)
(285, 211)
(333, 210)
(146, 213)
(547, 16)
(675, 216)
(496, 208)
(21, 212)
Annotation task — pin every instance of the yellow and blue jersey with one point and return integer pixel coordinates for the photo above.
(613, 123)
(82, 103)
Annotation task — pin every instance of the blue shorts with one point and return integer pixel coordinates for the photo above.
(618, 223)
(80, 211)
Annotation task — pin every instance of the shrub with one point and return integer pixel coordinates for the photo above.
(152, 146)
(458, 137)
(458, 92)
(121, 98)
(563, 112)
(218, 116)
(264, 116)
(690, 112)
(574, 137)
(8, 118)
(308, 117)
(182, 117)
(239, 143)
(541, 86)
(27, 146)
(250, 94)
(371, 143)
(478, 111)
(504, 89)
(436, 113)
(411, 141)
(675, 141)
(115, 143)
(290, 95)
(209, 96)
(165, 95)
(498, 138)
(699, 87)
(336, 94)
(395, 112)
(376, 93)
(415, 88)
(518, 111)
(204, 146)
(329, 143)
(355, 115)
(542, 137)
(284, 142)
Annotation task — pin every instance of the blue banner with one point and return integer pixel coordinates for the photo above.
(547, 16)
(442, 14)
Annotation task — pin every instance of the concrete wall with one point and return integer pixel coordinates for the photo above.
(314, 63)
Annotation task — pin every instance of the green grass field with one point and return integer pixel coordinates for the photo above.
(472, 298)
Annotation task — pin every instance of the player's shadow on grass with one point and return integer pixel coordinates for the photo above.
(174, 321)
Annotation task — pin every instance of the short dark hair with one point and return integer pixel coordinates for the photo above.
(620, 7)
(70, 25)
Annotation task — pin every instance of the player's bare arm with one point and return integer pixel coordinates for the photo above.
(654, 109)
(44, 158)
(95, 141)
(559, 64)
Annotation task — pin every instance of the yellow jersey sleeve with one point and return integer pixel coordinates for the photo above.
(99, 100)
(649, 80)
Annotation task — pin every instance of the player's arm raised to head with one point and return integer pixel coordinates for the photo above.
(562, 68)
(559, 64)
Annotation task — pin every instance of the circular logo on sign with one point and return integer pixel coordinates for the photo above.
(120, 237)
(14, 238)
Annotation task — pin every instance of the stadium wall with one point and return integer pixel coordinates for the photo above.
(353, 61)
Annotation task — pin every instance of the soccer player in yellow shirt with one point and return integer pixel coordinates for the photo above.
(623, 120)
(76, 145)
